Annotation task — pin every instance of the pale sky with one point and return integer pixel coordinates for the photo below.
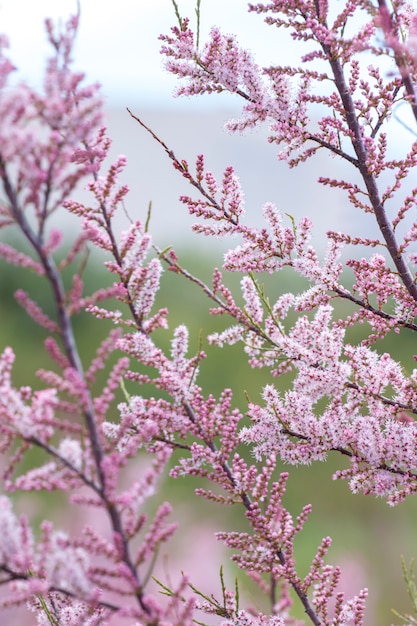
(118, 40)
(118, 46)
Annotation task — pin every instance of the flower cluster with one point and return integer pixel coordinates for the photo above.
(82, 437)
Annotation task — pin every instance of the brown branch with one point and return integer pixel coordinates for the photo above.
(247, 503)
(20, 576)
(400, 59)
(181, 166)
(368, 307)
(353, 455)
(72, 354)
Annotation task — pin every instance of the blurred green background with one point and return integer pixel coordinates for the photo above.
(368, 536)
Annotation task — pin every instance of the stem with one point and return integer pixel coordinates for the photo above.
(247, 503)
(182, 167)
(369, 180)
(400, 58)
(352, 455)
(342, 293)
(72, 354)
(18, 576)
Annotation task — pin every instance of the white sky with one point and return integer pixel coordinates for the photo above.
(118, 40)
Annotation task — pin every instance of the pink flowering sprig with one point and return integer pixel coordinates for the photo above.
(280, 246)
(71, 467)
(32, 570)
(329, 364)
(81, 460)
(221, 203)
(39, 132)
(277, 352)
(350, 123)
(270, 93)
(150, 420)
(364, 392)
(189, 414)
(395, 24)
(228, 607)
(137, 283)
(329, 368)
(268, 344)
(269, 250)
(269, 549)
(97, 463)
(208, 431)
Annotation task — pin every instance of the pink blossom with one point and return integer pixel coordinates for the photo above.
(82, 433)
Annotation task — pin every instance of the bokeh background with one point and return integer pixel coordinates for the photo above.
(118, 47)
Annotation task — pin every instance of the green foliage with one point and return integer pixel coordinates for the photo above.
(410, 581)
(219, 608)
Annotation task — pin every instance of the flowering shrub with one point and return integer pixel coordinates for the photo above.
(344, 396)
